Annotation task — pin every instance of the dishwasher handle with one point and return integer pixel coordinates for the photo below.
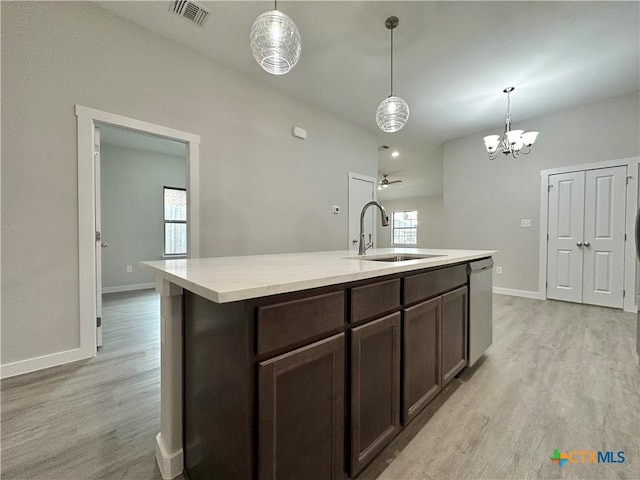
(479, 266)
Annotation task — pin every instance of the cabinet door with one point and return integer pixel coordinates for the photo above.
(421, 353)
(375, 388)
(454, 333)
(301, 413)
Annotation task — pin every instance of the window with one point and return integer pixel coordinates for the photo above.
(175, 221)
(405, 228)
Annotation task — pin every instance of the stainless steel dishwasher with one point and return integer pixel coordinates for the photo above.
(480, 307)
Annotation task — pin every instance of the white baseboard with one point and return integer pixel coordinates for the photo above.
(539, 296)
(38, 363)
(128, 288)
(518, 293)
(170, 464)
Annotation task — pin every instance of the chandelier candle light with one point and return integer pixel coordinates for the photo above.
(514, 142)
(275, 42)
(393, 112)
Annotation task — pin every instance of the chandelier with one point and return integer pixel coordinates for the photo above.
(275, 42)
(393, 111)
(514, 142)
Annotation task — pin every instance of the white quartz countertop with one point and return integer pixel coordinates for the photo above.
(229, 279)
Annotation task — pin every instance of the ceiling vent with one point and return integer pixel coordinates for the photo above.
(190, 10)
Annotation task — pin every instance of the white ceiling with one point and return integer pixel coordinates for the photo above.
(123, 137)
(451, 62)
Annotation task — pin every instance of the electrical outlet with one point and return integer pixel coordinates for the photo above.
(336, 209)
(129, 269)
(525, 223)
(498, 270)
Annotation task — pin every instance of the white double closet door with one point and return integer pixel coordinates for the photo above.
(586, 236)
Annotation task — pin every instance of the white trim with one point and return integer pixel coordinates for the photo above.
(128, 288)
(366, 178)
(544, 230)
(518, 293)
(630, 262)
(87, 117)
(169, 445)
(590, 166)
(170, 465)
(630, 255)
(121, 120)
(38, 363)
(193, 198)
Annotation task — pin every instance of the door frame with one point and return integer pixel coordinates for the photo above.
(365, 178)
(632, 164)
(86, 121)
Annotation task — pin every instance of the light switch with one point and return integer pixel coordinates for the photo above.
(336, 209)
(525, 223)
(498, 270)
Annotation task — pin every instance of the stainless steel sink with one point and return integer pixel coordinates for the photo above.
(398, 257)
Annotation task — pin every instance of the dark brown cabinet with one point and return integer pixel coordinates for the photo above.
(314, 384)
(375, 388)
(421, 355)
(454, 333)
(301, 413)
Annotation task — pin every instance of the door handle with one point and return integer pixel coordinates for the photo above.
(587, 244)
(579, 244)
(104, 244)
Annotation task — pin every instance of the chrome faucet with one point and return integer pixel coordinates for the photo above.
(362, 247)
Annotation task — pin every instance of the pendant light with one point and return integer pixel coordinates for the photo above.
(393, 111)
(513, 142)
(275, 42)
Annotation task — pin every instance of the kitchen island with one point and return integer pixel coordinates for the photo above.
(303, 365)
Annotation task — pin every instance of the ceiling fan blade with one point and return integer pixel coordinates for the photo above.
(395, 181)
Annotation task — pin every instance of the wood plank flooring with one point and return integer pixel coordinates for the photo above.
(559, 375)
(94, 419)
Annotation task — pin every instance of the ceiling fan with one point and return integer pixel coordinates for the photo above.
(384, 183)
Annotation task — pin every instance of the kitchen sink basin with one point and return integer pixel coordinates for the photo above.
(399, 257)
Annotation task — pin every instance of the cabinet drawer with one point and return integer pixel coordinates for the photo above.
(375, 299)
(430, 284)
(291, 323)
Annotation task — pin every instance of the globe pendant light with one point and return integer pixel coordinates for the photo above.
(393, 111)
(275, 42)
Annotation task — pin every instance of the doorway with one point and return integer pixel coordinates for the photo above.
(587, 214)
(586, 236)
(88, 219)
(141, 210)
(362, 189)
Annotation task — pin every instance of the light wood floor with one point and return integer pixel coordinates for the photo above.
(95, 419)
(558, 376)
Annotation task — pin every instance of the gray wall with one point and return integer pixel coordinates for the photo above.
(132, 184)
(430, 220)
(484, 200)
(262, 190)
